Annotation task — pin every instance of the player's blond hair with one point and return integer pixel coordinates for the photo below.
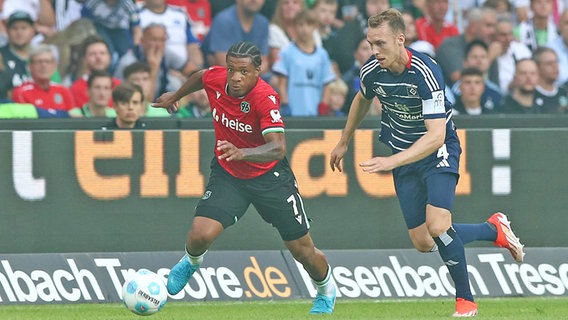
(392, 17)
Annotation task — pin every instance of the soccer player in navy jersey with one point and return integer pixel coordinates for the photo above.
(249, 167)
(416, 123)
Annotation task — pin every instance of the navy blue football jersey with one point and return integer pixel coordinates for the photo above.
(407, 99)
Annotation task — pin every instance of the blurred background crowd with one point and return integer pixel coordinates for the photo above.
(64, 58)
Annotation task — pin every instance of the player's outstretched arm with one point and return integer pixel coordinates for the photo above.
(273, 149)
(358, 110)
(169, 100)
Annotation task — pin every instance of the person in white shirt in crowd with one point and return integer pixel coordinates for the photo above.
(507, 51)
(281, 29)
(181, 39)
(539, 29)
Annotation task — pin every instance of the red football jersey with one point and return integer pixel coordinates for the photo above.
(242, 121)
(57, 97)
(427, 32)
(79, 90)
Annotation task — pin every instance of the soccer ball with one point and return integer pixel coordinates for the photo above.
(144, 293)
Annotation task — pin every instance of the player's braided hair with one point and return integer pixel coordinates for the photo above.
(245, 49)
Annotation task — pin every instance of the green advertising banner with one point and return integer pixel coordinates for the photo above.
(99, 191)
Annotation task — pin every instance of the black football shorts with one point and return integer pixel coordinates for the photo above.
(274, 195)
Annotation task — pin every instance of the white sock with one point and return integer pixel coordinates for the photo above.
(195, 260)
(325, 287)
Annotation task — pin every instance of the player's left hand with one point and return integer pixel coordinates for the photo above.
(229, 151)
(378, 164)
(167, 101)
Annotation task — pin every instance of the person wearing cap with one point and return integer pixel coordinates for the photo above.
(40, 11)
(15, 54)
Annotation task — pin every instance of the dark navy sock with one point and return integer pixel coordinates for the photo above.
(452, 252)
(470, 232)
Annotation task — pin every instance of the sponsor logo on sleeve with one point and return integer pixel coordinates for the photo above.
(276, 117)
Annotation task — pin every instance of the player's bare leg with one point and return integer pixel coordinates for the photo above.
(315, 263)
(451, 249)
(421, 239)
(202, 234)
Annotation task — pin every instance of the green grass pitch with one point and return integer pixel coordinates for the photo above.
(490, 308)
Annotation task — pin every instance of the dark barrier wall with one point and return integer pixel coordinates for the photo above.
(95, 191)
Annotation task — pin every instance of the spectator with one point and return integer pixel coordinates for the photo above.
(199, 12)
(344, 41)
(139, 73)
(281, 30)
(411, 40)
(99, 86)
(501, 7)
(540, 29)
(127, 99)
(198, 106)
(181, 40)
(66, 12)
(548, 95)
(560, 45)
(522, 96)
(165, 65)
(303, 71)
(337, 93)
(477, 56)
(348, 10)
(219, 5)
(41, 12)
(481, 25)
(16, 53)
(40, 91)
(239, 22)
(471, 86)
(351, 77)
(507, 52)
(523, 10)
(116, 21)
(433, 27)
(95, 54)
(325, 11)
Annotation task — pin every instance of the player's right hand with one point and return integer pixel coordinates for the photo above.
(336, 156)
(167, 101)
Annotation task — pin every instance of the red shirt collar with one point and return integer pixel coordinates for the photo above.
(409, 54)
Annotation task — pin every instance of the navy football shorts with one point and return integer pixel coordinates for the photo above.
(431, 180)
(274, 195)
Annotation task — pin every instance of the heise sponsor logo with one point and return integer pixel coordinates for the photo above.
(234, 124)
(268, 277)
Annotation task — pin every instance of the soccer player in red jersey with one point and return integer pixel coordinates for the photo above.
(249, 167)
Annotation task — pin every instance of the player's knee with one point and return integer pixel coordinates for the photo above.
(436, 229)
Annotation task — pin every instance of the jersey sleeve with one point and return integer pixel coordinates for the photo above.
(366, 80)
(207, 76)
(431, 89)
(269, 113)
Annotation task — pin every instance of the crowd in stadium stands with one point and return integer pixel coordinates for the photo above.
(63, 58)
